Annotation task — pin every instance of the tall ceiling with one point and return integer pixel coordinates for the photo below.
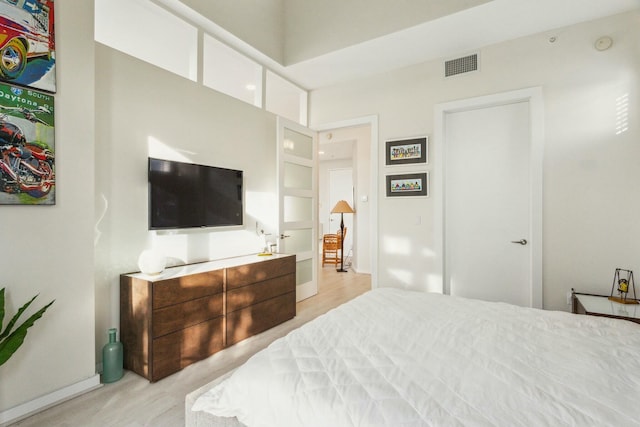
(317, 43)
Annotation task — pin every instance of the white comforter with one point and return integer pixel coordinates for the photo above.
(401, 358)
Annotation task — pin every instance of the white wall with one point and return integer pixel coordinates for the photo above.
(260, 23)
(324, 206)
(590, 172)
(48, 250)
(75, 251)
(144, 111)
(313, 27)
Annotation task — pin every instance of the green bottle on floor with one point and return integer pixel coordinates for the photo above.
(112, 356)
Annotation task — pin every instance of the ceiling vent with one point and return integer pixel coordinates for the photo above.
(461, 65)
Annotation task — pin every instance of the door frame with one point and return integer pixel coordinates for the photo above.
(372, 122)
(533, 96)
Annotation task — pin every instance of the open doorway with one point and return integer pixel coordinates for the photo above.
(345, 165)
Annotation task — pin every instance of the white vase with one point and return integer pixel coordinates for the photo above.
(152, 262)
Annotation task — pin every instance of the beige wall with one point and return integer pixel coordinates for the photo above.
(48, 250)
(145, 111)
(290, 31)
(590, 173)
(112, 112)
(313, 28)
(260, 23)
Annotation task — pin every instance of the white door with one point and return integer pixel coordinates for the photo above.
(489, 237)
(297, 202)
(341, 188)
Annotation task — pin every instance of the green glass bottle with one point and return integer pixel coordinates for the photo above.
(112, 359)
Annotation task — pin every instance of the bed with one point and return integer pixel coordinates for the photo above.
(396, 358)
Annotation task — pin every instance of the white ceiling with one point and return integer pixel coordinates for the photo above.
(447, 36)
(313, 28)
(337, 144)
(465, 31)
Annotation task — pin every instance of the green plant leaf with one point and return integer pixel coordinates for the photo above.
(11, 343)
(14, 319)
(1, 308)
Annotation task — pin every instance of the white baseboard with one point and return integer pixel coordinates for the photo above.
(48, 400)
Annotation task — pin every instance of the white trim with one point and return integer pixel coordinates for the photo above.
(534, 97)
(41, 403)
(372, 121)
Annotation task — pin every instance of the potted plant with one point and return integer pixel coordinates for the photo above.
(12, 337)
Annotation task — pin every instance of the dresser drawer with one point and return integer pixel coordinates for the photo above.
(251, 294)
(259, 317)
(260, 271)
(179, 349)
(179, 316)
(181, 289)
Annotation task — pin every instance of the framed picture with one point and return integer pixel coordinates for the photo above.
(28, 44)
(27, 150)
(408, 184)
(406, 151)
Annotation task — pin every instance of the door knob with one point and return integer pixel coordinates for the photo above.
(520, 242)
(282, 236)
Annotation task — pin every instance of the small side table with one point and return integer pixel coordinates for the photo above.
(600, 305)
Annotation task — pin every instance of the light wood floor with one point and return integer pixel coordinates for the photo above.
(133, 401)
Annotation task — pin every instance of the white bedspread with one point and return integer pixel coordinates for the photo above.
(401, 358)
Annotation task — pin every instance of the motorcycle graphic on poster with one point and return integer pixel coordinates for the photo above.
(27, 150)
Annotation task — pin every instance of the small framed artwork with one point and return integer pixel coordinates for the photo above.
(407, 151)
(408, 184)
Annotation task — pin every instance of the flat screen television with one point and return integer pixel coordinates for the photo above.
(186, 195)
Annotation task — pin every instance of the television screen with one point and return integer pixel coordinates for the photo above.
(186, 195)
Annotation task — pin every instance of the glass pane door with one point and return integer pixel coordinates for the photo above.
(298, 206)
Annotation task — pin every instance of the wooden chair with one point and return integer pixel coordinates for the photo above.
(331, 248)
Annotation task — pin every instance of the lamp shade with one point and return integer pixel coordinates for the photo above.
(342, 207)
(151, 262)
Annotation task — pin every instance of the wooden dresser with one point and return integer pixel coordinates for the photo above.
(187, 313)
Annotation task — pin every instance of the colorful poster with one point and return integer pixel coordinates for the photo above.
(27, 150)
(27, 43)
